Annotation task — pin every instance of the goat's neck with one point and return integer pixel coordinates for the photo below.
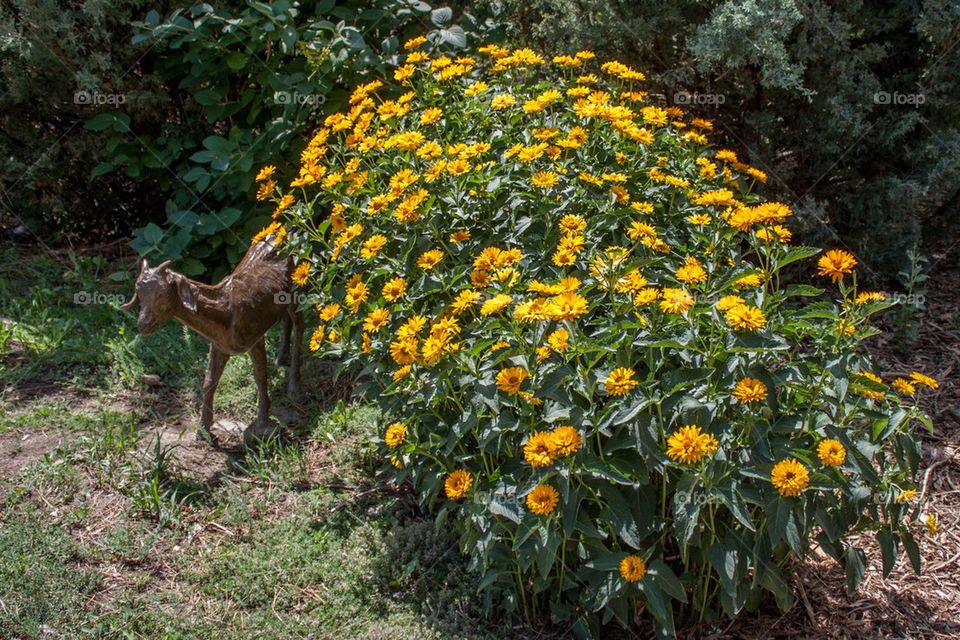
(212, 319)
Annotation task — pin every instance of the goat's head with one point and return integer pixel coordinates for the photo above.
(160, 292)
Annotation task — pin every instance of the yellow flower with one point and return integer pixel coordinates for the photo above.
(567, 306)
(924, 380)
(620, 381)
(329, 312)
(464, 300)
(558, 340)
(728, 302)
(691, 272)
(372, 246)
(566, 440)
(831, 452)
(502, 101)
(301, 273)
(930, 522)
(906, 495)
(904, 386)
(402, 372)
(869, 296)
(266, 173)
(836, 263)
(646, 296)
(457, 484)
(430, 115)
(429, 259)
(316, 338)
(394, 289)
(404, 351)
(543, 499)
(688, 444)
(745, 317)
(633, 568)
(510, 379)
(414, 43)
(396, 434)
(459, 236)
(789, 477)
(749, 390)
(544, 179)
(676, 301)
(495, 304)
(540, 450)
(747, 281)
(376, 320)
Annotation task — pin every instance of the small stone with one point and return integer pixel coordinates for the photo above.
(151, 379)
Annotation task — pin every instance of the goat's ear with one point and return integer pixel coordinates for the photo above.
(188, 293)
(143, 265)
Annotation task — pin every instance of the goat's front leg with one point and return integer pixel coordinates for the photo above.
(259, 356)
(293, 383)
(216, 361)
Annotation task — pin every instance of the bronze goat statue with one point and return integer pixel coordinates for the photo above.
(233, 316)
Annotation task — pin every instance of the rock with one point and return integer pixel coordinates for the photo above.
(151, 379)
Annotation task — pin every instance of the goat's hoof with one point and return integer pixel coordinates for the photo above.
(261, 431)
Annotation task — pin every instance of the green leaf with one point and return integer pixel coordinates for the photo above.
(855, 563)
(888, 550)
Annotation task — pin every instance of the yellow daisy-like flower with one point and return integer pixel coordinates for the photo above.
(559, 340)
(567, 306)
(748, 281)
(316, 338)
(544, 179)
(930, 522)
(372, 246)
(904, 386)
(749, 390)
(502, 101)
(266, 173)
(510, 379)
(430, 115)
(496, 304)
(566, 439)
(835, 264)
(906, 495)
(869, 296)
(745, 317)
(689, 445)
(396, 434)
(429, 259)
(831, 452)
(918, 378)
(459, 236)
(676, 300)
(329, 312)
(633, 568)
(691, 272)
(789, 477)
(620, 381)
(394, 289)
(301, 274)
(376, 320)
(458, 483)
(728, 302)
(540, 450)
(543, 499)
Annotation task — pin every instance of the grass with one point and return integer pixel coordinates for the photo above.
(115, 522)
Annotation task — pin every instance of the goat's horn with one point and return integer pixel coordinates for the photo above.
(162, 265)
(126, 306)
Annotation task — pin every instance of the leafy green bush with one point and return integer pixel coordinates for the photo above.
(61, 64)
(851, 108)
(245, 88)
(571, 309)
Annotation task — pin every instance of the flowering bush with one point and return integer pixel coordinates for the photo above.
(573, 312)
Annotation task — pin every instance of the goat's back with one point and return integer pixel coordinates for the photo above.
(255, 290)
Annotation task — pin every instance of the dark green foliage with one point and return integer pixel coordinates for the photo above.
(247, 86)
(851, 108)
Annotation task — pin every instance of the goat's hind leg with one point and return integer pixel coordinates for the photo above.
(293, 382)
(283, 352)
